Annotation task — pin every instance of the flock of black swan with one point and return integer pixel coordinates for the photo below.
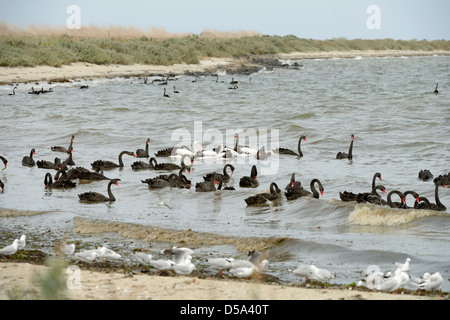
(215, 181)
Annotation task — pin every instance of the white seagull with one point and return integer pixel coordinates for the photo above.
(184, 267)
(179, 254)
(398, 280)
(313, 273)
(221, 263)
(86, 256)
(69, 249)
(243, 268)
(403, 266)
(254, 257)
(162, 264)
(143, 257)
(428, 282)
(109, 254)
(374, 278)
(22, 242)
(11, 249)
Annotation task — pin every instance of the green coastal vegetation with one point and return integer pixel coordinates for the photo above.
(20, 50)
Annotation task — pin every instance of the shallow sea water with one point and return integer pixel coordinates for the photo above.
(400, 128)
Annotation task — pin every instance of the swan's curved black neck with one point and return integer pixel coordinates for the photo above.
(313, 188)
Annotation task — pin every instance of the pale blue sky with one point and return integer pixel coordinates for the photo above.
(319, 19)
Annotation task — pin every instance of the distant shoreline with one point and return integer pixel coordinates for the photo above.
(82, 70)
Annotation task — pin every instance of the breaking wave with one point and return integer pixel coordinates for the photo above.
(385, 216)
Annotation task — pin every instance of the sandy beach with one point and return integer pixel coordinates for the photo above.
(81, 70)
(122, 286)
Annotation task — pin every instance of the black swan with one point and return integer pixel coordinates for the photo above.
(423, 204)
(401, 204)
(46, 91)
(181, 181)
(206, 186)
(14, 92)
(315, 193)
(293, 189)
(153, 164)
(84, 174)
(175, 90)
(160, 182)
(343, 155)
(438, 206)
(373, 197)
(98, 197)
(350, 196)
(262, 198)
(63, 149)
(416, 198)
(33, 92)
(69, 161)
(28, 160)
(225, 176)
(165, 94)
(234, 81)
(250, 182)
(141, 153)
(109, 164)
(44, 164)
(60, 183)
(443, 177)
(436, 90)
(290, 152)
(425, 175)
(5, 162)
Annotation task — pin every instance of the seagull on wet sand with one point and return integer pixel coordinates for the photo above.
(143, 257)
(397, 281)
(428, 281)
(403, 266)
(86, 256)
(179, 254)
(11, 249)
(22, 242)
(184, 267)
(221, 263)
(312, 272)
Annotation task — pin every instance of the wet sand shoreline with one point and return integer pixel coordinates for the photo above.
(113, 285)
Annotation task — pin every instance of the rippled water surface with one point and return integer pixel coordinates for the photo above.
(400, 127)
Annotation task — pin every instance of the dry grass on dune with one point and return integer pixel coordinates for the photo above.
(116, 32)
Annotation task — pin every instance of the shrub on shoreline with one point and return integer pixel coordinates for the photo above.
(63, 49)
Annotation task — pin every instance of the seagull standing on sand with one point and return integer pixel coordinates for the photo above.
(221, 263)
